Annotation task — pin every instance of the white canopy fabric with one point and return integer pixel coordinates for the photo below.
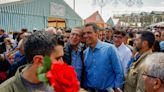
(157, 24)
(8, 1)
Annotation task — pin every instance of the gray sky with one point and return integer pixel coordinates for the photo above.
(86, 7)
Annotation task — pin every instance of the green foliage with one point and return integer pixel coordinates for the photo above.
(47, 63)
(41, 72)
(42, 77)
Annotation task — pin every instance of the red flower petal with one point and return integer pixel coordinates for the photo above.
(63, 77)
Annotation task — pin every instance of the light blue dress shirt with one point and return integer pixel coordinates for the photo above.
(125, 55)
(103, 69)
(77, 63)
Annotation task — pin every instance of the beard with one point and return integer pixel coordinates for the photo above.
(138, 48)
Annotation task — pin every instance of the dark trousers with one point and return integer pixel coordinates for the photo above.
(95, 90)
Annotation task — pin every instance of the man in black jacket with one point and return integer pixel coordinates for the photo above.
(73, 52)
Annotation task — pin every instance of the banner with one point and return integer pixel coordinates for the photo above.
(57, 9)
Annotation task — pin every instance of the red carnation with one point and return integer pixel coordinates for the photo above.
(63, 78)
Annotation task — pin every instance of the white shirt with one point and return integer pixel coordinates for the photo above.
(125, 55)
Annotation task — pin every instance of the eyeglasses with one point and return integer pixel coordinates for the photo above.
(116, 36)
(66, 37)
(75, 34)
(101, 34)
(144, 74)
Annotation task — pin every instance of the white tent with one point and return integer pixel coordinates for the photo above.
(8, 1)
(157, 24)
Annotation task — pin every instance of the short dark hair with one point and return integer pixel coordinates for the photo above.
(94, 26)
(24, 30)
(68, 30)
(38, 43)
(58, 39)
(108, 29)
(2, 30)
(148, 36)
(123, 33)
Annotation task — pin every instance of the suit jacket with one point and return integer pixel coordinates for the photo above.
(133, 80)
(68, 58)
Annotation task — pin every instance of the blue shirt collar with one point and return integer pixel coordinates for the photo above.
(99, 44)
(79, 47)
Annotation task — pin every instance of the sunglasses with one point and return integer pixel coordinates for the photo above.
(157, 35)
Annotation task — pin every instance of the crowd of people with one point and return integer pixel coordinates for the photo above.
(105, 59)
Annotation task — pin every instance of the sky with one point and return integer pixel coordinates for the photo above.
(87, 7)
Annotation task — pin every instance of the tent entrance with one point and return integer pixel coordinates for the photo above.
(56, 22)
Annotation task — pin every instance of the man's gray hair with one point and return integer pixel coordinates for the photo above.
(80, 29)
(77, 28)
(155, 65)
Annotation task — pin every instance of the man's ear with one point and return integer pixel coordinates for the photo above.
(157, 83)
(38, 59)
(145, 43)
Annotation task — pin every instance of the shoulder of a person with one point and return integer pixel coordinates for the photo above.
(5, 35)
(66, 48)
(126, 49)
(109, 45)
(105, 44)
(86, 50)
(7, 85)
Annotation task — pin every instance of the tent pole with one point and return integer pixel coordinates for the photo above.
(74, 5)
